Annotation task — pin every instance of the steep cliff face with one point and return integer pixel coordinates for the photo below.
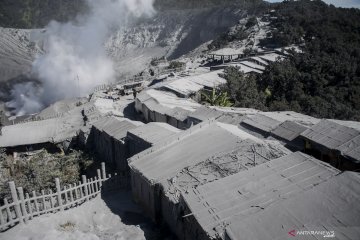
(170, 33)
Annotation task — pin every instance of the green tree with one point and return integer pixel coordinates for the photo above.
(243, 89)
(217, 98)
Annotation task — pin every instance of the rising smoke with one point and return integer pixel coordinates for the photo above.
(75, 60)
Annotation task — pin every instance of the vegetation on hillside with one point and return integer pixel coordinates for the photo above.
(37, 13)
(239, 33)
(252, 5)
(324, 80)
(38, 171)
(216, 97)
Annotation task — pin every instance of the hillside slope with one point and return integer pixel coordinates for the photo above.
(170, 33)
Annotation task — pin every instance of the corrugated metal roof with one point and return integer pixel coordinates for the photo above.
(288, 130)
(169, 100)
(330, 134)
(191, 84)
(330, 206)
(195, 147)
(247, 154)
(292, 116)
(260, 60)
(114, 127)
(230, 118)
(262, 122)
(227, 52)
(51, 130)
(271, 57)
(178, 113)
(253, 65)
(205, 113)
(350, 124)
(216, 204)
(154, 132)
(351, 148)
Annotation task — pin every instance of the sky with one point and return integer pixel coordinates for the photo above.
(337, 3)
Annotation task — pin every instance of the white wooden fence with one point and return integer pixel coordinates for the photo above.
(24, 207)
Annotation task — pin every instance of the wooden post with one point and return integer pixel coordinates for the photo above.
(96, 184)
(80, 190)
(22, 203)
(99, 177)
(8, 212)
(103, 171)
(90, 186)
(2, 221)
(66, 197)
(85, 187)
(71, 195)
(16, 202)
(52, 205)
(58, 192)
(43, 200)
(29, 205)
(37, 210)
(76, 192)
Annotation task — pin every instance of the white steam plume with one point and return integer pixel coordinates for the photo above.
(75, 60)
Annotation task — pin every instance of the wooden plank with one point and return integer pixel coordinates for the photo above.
(85, 187)
(103, 171)
(99, 177)
(36, 203)
(66, 196)
(2, 221)
(76, 192)
(8, 212)
(71, 195)
(43, 201)
(80, 190)
(96, 184)
(22, 203)
(28, 201)
(90, 188)
(16, 201)
(58, 193)
(52, 204)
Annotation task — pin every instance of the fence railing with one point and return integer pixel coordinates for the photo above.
(24, 207)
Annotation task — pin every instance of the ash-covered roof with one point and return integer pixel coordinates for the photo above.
(154, 132)
(114, 127)
(330, 134)
(205, 113)
(245, 68)
(350, 124)
(166, 99)
(288, 130)
(185, 149)
(332, 206)
(271, 57)
(292, 116)
(242, 195)
(227, 52)
(351, 149)
(188, 85)
(260, 60)
(178, 113)
(253, 65)
(53, 130)
(247, 154)
(261, 122)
